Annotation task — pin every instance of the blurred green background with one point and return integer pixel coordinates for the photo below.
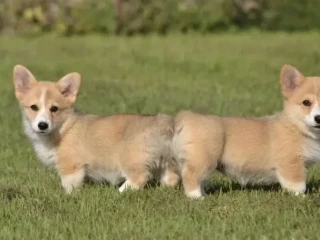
(66, 17)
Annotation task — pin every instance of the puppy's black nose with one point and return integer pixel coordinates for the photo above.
(44, 125)
(317, 119)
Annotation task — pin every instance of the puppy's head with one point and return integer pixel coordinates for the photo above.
(302, 97)
(45, 105)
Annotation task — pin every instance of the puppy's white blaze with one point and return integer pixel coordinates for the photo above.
(195, 194)
(42, 115)
(298, 188)
(310, 117)
(71, 181)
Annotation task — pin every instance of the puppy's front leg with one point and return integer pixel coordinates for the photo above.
(71, 175)
(72, 180)
(292, 176)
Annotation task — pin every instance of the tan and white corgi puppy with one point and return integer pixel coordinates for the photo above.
(124, 149)
(269, 149)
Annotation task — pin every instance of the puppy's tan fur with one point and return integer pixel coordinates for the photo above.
(269, 149)
(121, 148)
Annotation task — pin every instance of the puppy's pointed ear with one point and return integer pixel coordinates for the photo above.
(69, 86)
(23, 80)
(290, 80)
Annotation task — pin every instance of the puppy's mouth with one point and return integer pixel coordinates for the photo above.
(43, 132)
(318, 126)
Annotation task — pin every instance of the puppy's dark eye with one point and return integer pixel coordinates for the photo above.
(306, 103)
(34, 107)
(54, 109)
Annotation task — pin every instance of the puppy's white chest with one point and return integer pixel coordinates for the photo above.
(46, 153)
(44, 148)
(312, 151)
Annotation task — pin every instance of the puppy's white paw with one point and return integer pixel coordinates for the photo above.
(71, 181)
(195, 194)
(68, 188)
(126, 185)
(297, 188)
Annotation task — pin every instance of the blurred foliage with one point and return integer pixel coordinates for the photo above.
(61, 16)
(292, 15)
(67, 17)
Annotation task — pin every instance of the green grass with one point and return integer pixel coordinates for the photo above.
(221, 74)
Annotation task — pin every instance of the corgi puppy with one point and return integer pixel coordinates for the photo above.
(270, 149)
(121, 149)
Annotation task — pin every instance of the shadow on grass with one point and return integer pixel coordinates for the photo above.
(11, 193)
(214, 188)
(90, 182)
(211, 188)
(312, 187)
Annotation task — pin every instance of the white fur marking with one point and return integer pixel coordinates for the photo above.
(165, 178)
(309, 119)
(169, 178)
(127, 184)
(42, 144)
(69, 182)
(297, 188)
(42, 115)
(312, 151)
(195, 194)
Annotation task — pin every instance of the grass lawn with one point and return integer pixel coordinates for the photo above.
(221, 74)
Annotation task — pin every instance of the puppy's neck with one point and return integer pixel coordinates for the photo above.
(64, 128)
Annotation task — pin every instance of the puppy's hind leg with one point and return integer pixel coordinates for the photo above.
(134, 168)
(170, 176)
(192, 182)
(196, 169)
(136, 179)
